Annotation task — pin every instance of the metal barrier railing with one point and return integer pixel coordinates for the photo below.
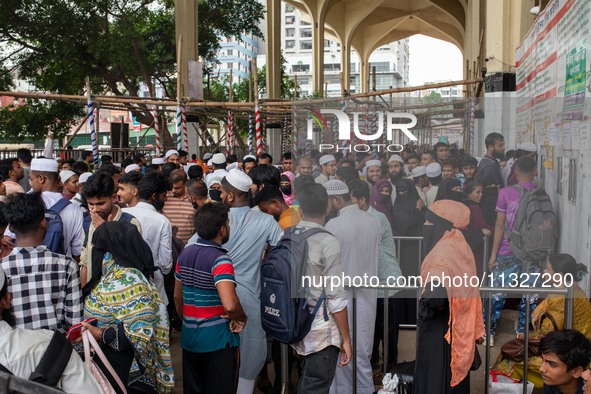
(568, 319)
(487, 291)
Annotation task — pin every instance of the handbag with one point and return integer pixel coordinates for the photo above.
(405, 373)
(515, 348)
(499, 383)
(91, 346)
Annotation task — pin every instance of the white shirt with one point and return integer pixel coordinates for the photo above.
(21, 351)
(219, 173)
(157, 232)
(72, 219)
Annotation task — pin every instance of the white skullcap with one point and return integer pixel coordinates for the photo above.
(419, 171)
(170, 153)
(528, 147)
(44, 165)
(84, 177)
(66, 174)
(207, 156)
(335, 187)
(210, 163)
(213, 180)
(395, 158)
(326, 159)
(374, 162)
(158, 161)
(249, 156)
(218, 158)
(239, 180)
(232, 166)
(132, 167)
(433, 170)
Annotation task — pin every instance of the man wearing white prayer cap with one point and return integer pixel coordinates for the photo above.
(373, 171)
(250, 234)
(218, 161)
(45, 180)
(395, 173)
(172, 156)
(359, 236)
(433, 172)
(523, 149)
(328, 168)
(77, 199)
(248, 163)
(158, 161)
(132, 167)
(70, 183)
(419, 176)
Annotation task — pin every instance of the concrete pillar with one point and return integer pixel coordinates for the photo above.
(364, 73)
(318, 54)
(273, 40)
(186, 19)
(346, 66)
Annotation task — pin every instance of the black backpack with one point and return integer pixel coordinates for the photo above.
(51, 367)
(285, 315)
(535, 229)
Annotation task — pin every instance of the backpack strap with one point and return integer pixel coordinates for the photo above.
(50, 369)
(126, 217)
(60, 205)
(4, 369)
(321, 301)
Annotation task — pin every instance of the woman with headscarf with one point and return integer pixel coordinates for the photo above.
(286, 187)
(381, 200)
(478, 226)
(450, 189)
(450, 313)
(132, 327)
(408, 221)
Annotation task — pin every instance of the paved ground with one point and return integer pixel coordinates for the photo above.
(406, 352)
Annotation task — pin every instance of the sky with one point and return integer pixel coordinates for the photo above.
(433, 60)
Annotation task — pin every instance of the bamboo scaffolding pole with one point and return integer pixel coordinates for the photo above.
(77, 130)
(143, 135)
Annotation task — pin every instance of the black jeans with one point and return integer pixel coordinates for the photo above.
(318, 371)
(213, 372)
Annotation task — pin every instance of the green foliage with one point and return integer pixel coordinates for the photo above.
(37, 118)
(120, 44)
(433, 98)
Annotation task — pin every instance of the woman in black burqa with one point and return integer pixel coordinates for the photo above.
(408, 221)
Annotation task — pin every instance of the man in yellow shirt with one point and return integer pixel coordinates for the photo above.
(270, 201)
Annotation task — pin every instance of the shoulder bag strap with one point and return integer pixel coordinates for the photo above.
(90, 342)
(551, 318)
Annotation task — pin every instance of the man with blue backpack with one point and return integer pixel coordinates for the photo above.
(327, 338)
(64, 220)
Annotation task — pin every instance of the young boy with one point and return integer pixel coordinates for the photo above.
(468, 166)
(449, 168)
(565, 355)
(206, 300)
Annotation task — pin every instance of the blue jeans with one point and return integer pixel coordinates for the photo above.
(505, 271)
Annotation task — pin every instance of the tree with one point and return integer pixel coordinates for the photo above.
(120, 44)
(433, 98)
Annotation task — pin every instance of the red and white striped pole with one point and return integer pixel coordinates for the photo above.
(156, 131)
(259, 141)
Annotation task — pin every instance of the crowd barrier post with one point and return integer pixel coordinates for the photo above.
(284, 368)
(354, 327)
(398, 241)
(490, 291)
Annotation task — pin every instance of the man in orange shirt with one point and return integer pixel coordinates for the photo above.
(270, 201)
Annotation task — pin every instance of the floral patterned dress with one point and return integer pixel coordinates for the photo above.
(125, 298)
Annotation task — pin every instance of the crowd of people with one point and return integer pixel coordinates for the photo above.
(137, 250)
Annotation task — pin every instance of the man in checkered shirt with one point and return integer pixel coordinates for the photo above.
(45, 286)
